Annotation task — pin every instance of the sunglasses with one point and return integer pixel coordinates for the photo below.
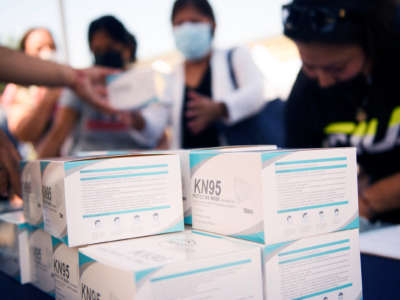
(320, 20)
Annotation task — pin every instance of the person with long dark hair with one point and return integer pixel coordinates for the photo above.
(347, 92)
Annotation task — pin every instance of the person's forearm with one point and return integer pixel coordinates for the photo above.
(384, 195)
(50, 146)
(22, 69)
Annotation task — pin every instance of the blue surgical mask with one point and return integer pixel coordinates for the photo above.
(193, 40)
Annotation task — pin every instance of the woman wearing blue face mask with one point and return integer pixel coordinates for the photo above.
(200, 96)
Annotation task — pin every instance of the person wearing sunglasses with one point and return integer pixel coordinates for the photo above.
(346, 93)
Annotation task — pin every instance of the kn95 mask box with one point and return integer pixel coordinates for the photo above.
(325, 266)
(65, 270)
(181, 265)
(14, 247)
(92, 200)
(32, 192)
(41, 253)
(274, 196)
(185, 164)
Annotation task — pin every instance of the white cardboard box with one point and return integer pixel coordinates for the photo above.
(14, 247)
(41, 253)
(322, 267)
(168, 267)
(65, 269)
(274, 196)
(32, 192)
(92, 200)
(185, 164)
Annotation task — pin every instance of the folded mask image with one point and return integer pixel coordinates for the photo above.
(243, 190)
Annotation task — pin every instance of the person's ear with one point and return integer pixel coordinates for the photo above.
(213, 28)
(126, 55)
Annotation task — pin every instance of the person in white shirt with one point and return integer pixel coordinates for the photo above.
(201, 97)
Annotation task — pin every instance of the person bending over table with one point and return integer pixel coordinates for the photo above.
(347, 94)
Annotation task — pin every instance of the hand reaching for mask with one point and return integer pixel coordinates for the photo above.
(203, 111)
(89, 85)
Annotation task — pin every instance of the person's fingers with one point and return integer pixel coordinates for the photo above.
(195, 104)
(6, 144)
(11, 166)
(195, 96)
(14, 153)
(3, 182)
(103, 72)
(87, 88)
(192, 113)
(101, 90)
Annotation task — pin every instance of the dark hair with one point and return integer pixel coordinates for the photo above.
(202, 6)
(374, 27)
(22, 43)
(116, 30)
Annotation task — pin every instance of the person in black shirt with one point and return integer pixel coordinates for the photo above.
(347, 94)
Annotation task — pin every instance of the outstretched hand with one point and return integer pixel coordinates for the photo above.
(90, 86)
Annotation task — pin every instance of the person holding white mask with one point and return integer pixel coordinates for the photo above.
(30, 109)
(210, 90)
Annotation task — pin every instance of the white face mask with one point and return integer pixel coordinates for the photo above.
(193, 40)
(50, 55)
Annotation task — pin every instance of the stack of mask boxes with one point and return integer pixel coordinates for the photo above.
(102, 199)
(269, 224)
(299, 206)
(91, 200)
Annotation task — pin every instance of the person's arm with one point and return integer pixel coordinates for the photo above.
(381, 197)
(27, 116)
(88, 84)
(9, 159)
(249, 97)
(63, 124)
(236, 106)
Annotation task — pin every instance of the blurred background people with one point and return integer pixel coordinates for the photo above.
(209, 92)
(347, 92)
(22, 69)
(113, 46)
(30, 109)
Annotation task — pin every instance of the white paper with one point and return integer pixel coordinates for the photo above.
(134, 89)
(383, 242)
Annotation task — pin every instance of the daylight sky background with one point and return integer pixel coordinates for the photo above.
(238, 22)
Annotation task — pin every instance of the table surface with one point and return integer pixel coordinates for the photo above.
(381, 281)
